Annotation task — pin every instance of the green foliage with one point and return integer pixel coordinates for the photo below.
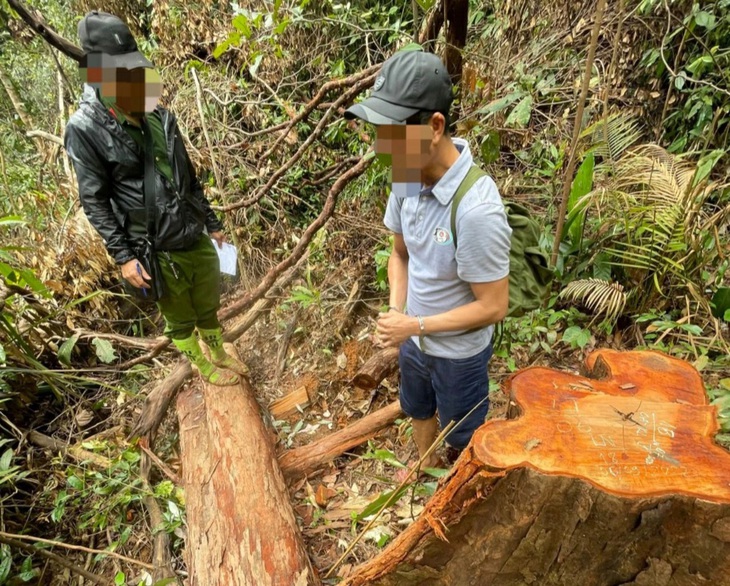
(104, 350)
(9, 474)
(720, 397)
(577, 337)
(387, 498)
(721, 303)
(306, 295)
(654, 234)
(66, 349)
(382, 257)
(696, 50)
(598, 295)
(582, 185)
(382, 455)
(540, 331)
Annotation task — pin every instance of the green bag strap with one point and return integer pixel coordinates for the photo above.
(466, 184)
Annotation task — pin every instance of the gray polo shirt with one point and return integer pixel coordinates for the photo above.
(438, 273)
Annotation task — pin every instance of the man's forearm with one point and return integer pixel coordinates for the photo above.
(489, 307)
(476, 314)
(398, 280)
(470, 316)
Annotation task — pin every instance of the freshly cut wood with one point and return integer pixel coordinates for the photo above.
(289, 403)
(380, 365)
(241, 526)
(301, 461)
(609, 479)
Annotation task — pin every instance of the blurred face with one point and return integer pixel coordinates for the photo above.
(136, 91)
(408, 148)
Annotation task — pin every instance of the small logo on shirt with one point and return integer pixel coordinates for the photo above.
(442, 236)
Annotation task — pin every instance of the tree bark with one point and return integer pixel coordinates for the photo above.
(301, 461)
(379, 366)
(432, 27)
(611, 479)
(241, 525)
(457, 22)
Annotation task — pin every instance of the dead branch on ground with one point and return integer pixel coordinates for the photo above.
(161, 558)
(306, 459)
(73, 451)
(380, 365)
(156, 403)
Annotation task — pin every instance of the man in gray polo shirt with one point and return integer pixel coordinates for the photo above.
(444, 299)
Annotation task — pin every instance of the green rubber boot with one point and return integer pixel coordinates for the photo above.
(215, 376)
(214, 340)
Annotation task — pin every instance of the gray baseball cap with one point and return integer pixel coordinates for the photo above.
(411, 81)
(108, 35)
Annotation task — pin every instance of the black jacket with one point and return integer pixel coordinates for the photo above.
(110, 171)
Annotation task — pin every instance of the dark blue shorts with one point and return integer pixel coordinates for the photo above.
(450, 386)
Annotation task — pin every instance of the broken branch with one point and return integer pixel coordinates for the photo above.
(258, 194)
(35, 22)
(301, 247)
(305, 459)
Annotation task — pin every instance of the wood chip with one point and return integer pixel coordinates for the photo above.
(323, 495)
(289, 404)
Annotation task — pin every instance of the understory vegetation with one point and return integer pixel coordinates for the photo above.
(642, 259)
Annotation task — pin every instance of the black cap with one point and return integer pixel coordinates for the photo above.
(104, 33)
(411, 81)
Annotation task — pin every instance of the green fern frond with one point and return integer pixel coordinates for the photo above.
(610, 138)
(599, 296)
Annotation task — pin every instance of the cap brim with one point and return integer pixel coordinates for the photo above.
(134, 60)
(377, 111)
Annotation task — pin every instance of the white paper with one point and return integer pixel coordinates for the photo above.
(227, 256)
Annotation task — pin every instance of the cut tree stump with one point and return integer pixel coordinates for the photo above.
(611, 479)
(241, 525)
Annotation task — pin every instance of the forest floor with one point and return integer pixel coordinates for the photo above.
(317, 336)
(321, 347)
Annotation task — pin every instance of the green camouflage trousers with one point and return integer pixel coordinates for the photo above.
(192, 289)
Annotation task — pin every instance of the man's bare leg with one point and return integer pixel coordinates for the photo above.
(424, 434)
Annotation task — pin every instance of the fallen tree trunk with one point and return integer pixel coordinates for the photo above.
(241, 526)
(379, 366)
(301, 461)
(612, 479)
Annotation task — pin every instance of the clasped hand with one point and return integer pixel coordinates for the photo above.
(394, 328)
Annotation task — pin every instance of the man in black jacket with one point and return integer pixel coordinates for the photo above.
(108, 139)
